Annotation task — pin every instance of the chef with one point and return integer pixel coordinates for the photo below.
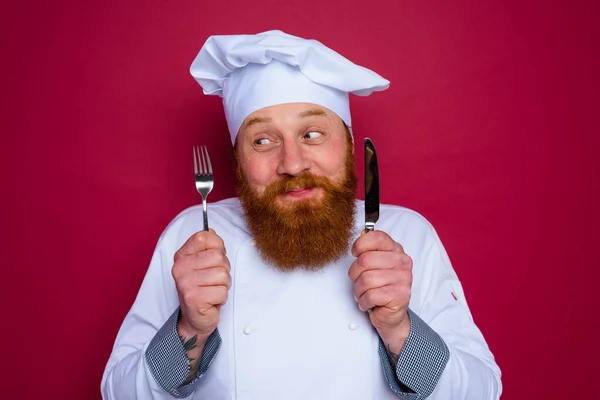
(286, 296)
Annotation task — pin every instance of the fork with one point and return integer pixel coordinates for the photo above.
(204, 177)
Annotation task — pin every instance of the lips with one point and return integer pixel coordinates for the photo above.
(299, 193)
(305, 186)
(298, 189)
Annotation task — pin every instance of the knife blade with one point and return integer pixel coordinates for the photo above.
(371, 186)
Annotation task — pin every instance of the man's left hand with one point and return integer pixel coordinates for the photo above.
(382, 276)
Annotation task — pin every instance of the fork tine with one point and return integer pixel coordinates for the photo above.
(195, 161)
(201, 160)
(208, 160)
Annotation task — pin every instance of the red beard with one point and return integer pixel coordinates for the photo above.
(305, 234)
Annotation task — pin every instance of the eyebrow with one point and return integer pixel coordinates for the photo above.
(312, 113)
(254, 121)
(304, 114)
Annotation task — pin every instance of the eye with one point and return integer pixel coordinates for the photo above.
(261, 141)
(312, 135)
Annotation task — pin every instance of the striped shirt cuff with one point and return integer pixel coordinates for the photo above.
(168, 363)
(421, 363)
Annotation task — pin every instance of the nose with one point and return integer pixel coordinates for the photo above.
(294, 160)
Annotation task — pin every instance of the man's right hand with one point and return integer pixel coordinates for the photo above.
(201, 273)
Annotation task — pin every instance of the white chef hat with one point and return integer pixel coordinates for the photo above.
(251, 72)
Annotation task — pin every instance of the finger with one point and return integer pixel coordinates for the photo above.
(399, 285)
(378, 260)
(374, 279)
(375, 240)
(201, 298)
(209, 259)
(186, 265)
(214, 295)
(379, 297)
(200, 241)
(216, 276)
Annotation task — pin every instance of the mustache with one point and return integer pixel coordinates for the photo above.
(306, 180)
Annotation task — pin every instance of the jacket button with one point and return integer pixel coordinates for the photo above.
(352, 326)
(247, 330)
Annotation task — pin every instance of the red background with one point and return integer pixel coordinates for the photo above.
(490, 129)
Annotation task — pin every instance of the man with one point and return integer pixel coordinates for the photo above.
(286, 298)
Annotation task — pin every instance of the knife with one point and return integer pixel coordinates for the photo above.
(371, 186)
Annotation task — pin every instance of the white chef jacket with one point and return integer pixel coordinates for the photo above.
(300, 335)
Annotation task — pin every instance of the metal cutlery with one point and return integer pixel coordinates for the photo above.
(204, 177)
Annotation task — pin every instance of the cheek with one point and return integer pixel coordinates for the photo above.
(333, 169)
(258, 174)
(333, 164)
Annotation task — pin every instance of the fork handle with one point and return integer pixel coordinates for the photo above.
(205, 214)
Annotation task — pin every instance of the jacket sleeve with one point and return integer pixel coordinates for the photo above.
(148, 360)
(420, 364)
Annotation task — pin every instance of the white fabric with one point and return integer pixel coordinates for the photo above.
(251, 72)
(300, 343)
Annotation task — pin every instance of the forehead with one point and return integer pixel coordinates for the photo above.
(289, 111)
